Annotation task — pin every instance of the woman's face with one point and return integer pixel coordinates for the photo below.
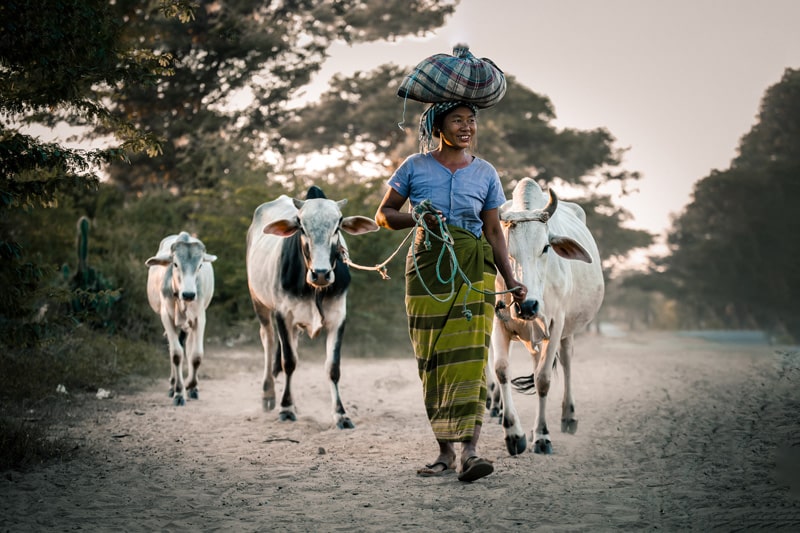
(459, 127)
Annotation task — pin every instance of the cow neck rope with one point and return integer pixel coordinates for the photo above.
(417, 214)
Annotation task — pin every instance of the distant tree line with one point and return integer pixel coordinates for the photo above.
(734, 251)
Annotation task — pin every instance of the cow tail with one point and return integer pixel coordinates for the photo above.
(524, 384)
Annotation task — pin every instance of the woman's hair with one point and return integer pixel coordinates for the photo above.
(431, 121)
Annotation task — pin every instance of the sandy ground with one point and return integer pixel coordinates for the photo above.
(675, 434)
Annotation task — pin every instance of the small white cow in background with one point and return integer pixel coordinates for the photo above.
(556, 257)
(180, 285)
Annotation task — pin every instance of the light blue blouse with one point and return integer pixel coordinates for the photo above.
(459, 195)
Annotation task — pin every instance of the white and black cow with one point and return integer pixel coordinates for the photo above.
(298, 282)
(180, 285)
(556, 257)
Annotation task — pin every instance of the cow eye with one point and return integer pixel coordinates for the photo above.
(546, 248)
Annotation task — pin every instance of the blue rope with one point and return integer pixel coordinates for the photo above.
(418, 214)
(447, 252)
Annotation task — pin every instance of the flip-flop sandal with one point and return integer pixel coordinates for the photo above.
(431, 469)
(475, 468)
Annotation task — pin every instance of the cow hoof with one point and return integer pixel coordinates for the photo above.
(495, 412)
(268, 404)
(543, 446)
(345, 423)
(569, 426)
(171, 393)
(193, 394)
(287, 416)
(179, 400)
(516, 445)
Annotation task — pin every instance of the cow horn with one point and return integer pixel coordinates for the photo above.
(551, 206)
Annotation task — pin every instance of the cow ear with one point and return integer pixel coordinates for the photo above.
(281, 228)
(569, 248)
(358, 225)
(159, 260)
(504, 209)
(209, 258)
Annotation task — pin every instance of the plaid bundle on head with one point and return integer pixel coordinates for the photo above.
(461, 76)
(427, 119)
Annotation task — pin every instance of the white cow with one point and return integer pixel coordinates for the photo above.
(180, 285)
(556, 257)
(298, 282)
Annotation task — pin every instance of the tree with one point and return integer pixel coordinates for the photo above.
(731, 257)
(141, 72)
(240, 65)
(59, 59)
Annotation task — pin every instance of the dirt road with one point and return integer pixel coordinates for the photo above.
(675, 434)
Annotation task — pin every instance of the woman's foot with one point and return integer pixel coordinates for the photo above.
(444, 464)
(475, 468)
(436, 469)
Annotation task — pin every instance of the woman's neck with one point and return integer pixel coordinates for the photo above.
(452, 158)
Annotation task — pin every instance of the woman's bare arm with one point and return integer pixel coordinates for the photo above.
(389, 215)
(494, 235)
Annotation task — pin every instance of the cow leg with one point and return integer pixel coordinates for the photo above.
(512, 428)
(494, 402)
(267, 333)
(543, 372)
(176, 359)
(288, 341)
(194, 355)
(333, 369)
(568, 422)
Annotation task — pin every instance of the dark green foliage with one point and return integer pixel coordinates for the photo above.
(608, 224)
(268, 51)
(734, 252)
(58, 60)
(84, 361)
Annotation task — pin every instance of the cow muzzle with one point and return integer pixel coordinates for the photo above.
(319, 278)
(527, 310)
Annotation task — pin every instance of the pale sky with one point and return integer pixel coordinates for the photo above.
(678, 82)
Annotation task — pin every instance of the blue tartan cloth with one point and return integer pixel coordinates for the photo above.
(461, 76)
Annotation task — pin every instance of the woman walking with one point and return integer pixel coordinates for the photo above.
(450, 321)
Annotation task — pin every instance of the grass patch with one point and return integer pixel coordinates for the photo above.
(24, 444)
(85, 360)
